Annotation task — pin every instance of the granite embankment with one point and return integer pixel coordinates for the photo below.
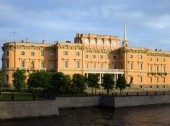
(110, 101)
(20, 109)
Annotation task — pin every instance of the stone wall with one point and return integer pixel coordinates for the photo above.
(110, 101)
(87, 101)
(20, 109)
(127, 101)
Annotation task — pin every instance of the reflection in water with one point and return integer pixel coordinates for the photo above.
(156, 115)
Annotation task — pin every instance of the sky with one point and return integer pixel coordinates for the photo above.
(148, 21)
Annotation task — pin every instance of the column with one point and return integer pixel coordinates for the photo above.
(100, 81)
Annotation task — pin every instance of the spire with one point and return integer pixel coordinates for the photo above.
(125, 34)
(125, 39)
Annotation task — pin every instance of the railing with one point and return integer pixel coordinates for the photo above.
(118, 94)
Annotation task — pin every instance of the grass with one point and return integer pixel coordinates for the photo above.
(7, 96)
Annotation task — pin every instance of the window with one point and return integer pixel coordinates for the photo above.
(131, 56)
(156, 59)
(150, 80)
(42, 52)
(32, 64)
(93, 66)
(121, 57)
(163, 59)
(65, 63)
(51, 64)
(51, 52)
(114, 57)
(101, 56)
(7, 63)
(157, 79)
(140, 79)
(86, 56)
(140, 66)
(107, 66)
(42, 64)
(32, 53)
(150, 59)
(114, 66)
(163, 79)
(140, 56)
(65, 53)
(157, 68)
(77, 53)
(150, 68)
(131, 66)
(22, 64)
(86, 66)
(163, 68)
(94, 56)
(22, 53)
(77, 63)
(101, 66)
(7, 53)
(7, 77)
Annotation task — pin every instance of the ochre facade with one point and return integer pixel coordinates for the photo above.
(89, 53)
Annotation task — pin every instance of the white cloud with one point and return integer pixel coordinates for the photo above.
(159, 22)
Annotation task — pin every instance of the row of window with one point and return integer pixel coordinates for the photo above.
(99, 41)
(87, 66)
(151, 79)
(66, 64)
(150, 59)
(42, 64)
(66, 53)
(140, 67)
(33, 53)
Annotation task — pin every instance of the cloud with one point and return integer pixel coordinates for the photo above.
(159, 22)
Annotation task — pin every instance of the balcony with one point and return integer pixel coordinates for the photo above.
(157, 73)
(116, 71)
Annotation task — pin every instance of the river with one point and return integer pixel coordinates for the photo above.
(153, 115)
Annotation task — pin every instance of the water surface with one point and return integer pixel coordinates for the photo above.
(154, 115)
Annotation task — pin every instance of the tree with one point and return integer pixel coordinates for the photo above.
(19, 79)
(108, 82)
(121, 83)
(1, 79)
(38, 80)
(78, 83)
(60, 82)
(93, 81)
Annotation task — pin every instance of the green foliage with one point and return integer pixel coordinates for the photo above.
(19, 80)
(108, 82)
(93, 81)
(121, 83)
(1, 77)
(38, 80)
(78, 83)
(60, 83)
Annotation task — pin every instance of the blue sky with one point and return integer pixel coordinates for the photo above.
(148, 21)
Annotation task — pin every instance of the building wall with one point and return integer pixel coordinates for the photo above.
(26, 56)
(90, 53)
(146, 67)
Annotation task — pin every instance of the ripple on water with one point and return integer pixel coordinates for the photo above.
(154, 115)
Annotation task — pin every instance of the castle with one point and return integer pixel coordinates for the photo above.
(90, 53)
